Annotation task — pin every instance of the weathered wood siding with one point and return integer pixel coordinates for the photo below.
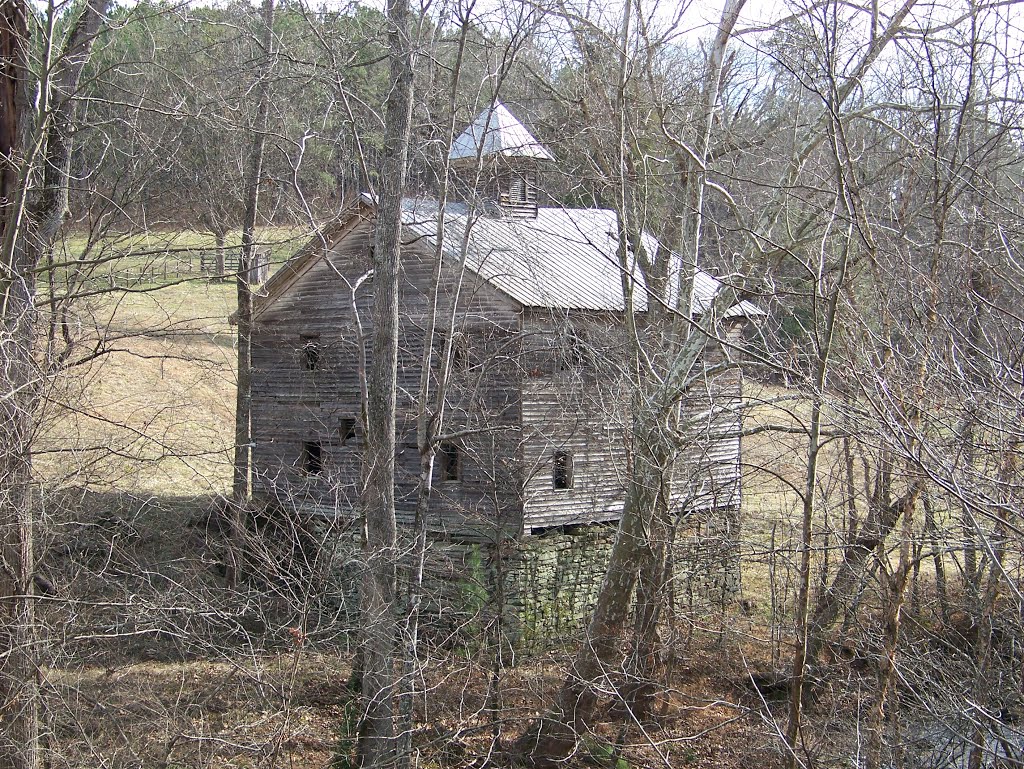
(527, 384)
(293, 405)
(483, 419)
(574, 400)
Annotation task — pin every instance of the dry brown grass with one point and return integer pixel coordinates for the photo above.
(275, 710)
(154, 413)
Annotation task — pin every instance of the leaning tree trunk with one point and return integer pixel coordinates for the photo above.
(554, 736)
(873, 532)
(656, 400)
(35, 144)
(377, 737)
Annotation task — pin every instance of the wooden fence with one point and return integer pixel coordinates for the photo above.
(207, 264)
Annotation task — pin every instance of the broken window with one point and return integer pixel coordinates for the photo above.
(450, 461)
(312, 457)
(561, 472)
(460, 351)
(575, 350)
(347, 430)
(310, 351)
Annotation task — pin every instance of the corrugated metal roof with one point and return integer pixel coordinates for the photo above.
(498, 131)
(566, 258)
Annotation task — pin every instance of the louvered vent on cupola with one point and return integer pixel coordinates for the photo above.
(510, 161)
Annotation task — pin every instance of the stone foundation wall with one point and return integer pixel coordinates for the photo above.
(539, 592)
(533, 593)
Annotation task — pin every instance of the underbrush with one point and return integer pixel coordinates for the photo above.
(153, 660)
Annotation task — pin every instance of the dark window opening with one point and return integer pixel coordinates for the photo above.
(459, 359)
(561, 475)
(460, 355)
(311, 352)
(574, 351)
(450, 461)
(312, 457)
(347, 430)
(566, 528)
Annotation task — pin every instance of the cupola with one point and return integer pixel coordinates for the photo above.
(511, 160)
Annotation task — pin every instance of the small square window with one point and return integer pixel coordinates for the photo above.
(561, 472)
(460, 355)
(346, 430)
(311, 352)
(460, 351)
(574, 352)
(451, 462)
(312, 457)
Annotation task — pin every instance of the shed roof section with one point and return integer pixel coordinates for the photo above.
(498, 133)
(566, 258)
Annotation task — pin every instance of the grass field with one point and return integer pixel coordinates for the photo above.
(153, 413)
(151, 408)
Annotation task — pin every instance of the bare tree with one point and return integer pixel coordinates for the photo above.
(666, 359)
(35, 153)
(243, 400)
(377, 735)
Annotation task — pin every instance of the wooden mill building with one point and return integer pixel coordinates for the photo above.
(539, 403)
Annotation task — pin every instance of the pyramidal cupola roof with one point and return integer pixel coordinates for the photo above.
(498, 132)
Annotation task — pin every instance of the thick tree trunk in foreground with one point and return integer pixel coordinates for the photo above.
(36, 125)
(19, 688)
(19, 709)
(554, 737)
(377, 737)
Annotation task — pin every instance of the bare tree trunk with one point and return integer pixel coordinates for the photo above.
(873, 531)
(377, 738)
(554, 737)
(805, 649)
(655, 407)
(240, 486)
(931, 534)
(35, 143)
(430, 421)
(19, 687)
(19, 740)
(655, 413)
(896, 587)
(651, 594)
(996, 571)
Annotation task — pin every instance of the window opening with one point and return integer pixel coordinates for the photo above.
(460, 354)
(347, 430)
(574, 350)
(312, 457)
(451, 468)
(311, 351)
(561, 475)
